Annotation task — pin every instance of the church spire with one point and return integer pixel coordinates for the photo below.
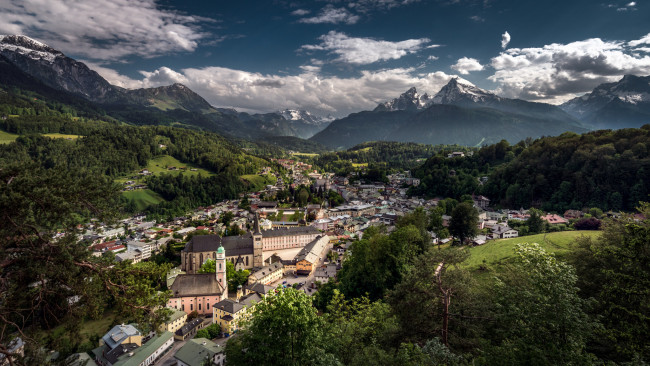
(256, 226)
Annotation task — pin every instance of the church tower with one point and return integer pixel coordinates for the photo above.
(258, 259)
(221, 270)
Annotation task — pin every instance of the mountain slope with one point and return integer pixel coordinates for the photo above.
(625, 103)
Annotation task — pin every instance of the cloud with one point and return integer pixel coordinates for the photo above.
(477, 18)
(330, 14)
(466, 65)
(257, 92)
(557, 72)
(365, 6)
(300, 12)
(362, 51)
(103, 30)
(432, 58)
(643, 40)
(505, 39)
(630, 4)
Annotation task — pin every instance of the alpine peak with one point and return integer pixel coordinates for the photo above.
(409, 100)
(458, 89)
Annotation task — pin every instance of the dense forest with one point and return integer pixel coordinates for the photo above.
(386, 155)
(605, 169)
(118, 150)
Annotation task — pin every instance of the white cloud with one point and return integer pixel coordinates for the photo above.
(330, 14)
(505, 39)
(256, 92)
(366, 6)
(477, 18)
(432, 58)
(630, 4)
(362, 51)
(300, 12)
(643, 40)
(466, 65)
(100, 29)
(556, 72)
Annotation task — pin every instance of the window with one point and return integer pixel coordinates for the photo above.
(183, 306)
(207, 306)
(199, 306)
(191, 307)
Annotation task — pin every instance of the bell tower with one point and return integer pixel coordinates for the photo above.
(258, 258)
(220, 263)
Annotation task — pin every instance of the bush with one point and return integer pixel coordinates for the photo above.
(590, 223)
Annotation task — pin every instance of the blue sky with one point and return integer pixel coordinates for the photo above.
(337, 57)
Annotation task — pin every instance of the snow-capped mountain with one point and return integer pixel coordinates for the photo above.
(55, 69)
(408, 101)
(458, 90)
(625, 103)
(305, 116)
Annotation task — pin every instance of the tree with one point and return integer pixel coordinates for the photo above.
(464, 222)
(436, 224)
(539, 319)
(210, 266)
(235, 278)
(244, 204)
(587, 223)
(284, 330)
(226, 218)
(535, 222)
(48, 278)
(614, 269)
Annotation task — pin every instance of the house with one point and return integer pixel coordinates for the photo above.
(196, 351)
(573, 214)
(267, 274)
(325, 273)
(124, 345)
(188, 330)
(481, 201)
(554, 219)
(503, 232)
(175, 322)
(456, 154)
(229, 313)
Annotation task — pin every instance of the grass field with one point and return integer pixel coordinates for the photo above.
(6, 137)
(357, 165)
(61, 136)
(159, 165)
(309, 155)
(143, 197)
(257, 182)
(499, 252)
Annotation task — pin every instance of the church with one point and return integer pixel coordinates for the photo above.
(199, 292)
(246, 251)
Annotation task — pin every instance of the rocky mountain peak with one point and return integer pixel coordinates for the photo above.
(407, 101)
(460, 90)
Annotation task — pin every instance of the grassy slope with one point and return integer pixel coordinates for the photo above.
(499, 252)
(6, 137)
(257, 182)
(61, 136)
(143, 197)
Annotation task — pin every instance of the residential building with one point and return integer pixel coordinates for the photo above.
(504, 232)
(554, 219)
(325, 273)
(188, 329)
(196, 351)
(311, 255)
(175, 322)
(267, 274)
(124, 345)
(229, 313)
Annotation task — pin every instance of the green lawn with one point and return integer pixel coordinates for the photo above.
(143, 197)
(257, 182)
(160, 165)
(499, 252)
(6, 137)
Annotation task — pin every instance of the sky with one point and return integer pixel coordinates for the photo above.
(334, 57)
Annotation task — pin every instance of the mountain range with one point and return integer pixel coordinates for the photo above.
(460, 113)
(28, 59)
(625, 103)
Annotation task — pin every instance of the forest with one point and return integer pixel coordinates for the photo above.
(605, 169)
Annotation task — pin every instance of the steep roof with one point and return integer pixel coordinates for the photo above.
(196, 351)
(264, 271)
(286, 231)
(229, 306)
(118, 334)
(311, 252)
(196, 285)
(233, 245)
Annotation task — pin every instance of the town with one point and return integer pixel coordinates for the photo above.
(269, 245)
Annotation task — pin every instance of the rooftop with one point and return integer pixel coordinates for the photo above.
(196, 351)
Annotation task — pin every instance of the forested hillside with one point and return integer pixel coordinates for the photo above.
(605, 169)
